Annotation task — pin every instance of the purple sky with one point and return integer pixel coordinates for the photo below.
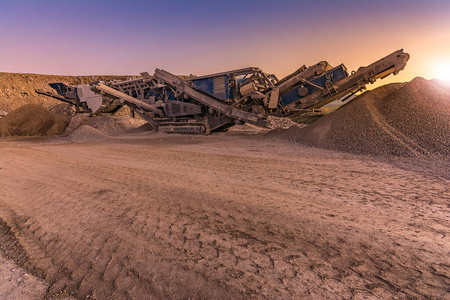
(200, 37)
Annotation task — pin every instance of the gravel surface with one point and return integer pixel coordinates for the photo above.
(276, 122)
(420, 113)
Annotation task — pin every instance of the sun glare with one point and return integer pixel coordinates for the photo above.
(442, 71)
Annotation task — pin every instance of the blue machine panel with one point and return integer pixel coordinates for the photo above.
(217, 87)
(59, 87)
(338, 73)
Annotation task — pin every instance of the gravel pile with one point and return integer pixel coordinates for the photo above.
(32, 120)
(276, 122)
(396, 119)
(106, 123)
(86, 133)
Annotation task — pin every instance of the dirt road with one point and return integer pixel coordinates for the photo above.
(167, 216)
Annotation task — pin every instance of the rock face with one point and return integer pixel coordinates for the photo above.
(33, 120)
(17, 89)
(396, 119)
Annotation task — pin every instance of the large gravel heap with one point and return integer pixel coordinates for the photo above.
(33, 120)
(396, 119)
(86, 133)
(106, 123)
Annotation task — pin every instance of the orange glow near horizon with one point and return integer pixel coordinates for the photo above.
(441, 70)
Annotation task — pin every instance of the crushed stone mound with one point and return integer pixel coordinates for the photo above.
(86, 133)
(106, 123)
(396, 119)
(283, 128)
(33, 120)
(276, 122)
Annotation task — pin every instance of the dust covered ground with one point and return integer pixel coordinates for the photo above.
(152, 215)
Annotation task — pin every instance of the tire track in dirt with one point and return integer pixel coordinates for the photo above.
(88, 273)
(216, 229)
(398, 136)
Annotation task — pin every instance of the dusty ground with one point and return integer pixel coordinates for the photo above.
(16, 283)
(168, 216)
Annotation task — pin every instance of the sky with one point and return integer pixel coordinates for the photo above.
(96, 37)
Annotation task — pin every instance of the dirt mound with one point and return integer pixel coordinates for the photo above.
(32, 120)
(106, 123)
(86, 133)
(396, 119)
(276, 122)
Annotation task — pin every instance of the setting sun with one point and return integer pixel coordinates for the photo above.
(442, 71)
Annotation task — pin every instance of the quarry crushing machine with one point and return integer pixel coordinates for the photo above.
(205, 103)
